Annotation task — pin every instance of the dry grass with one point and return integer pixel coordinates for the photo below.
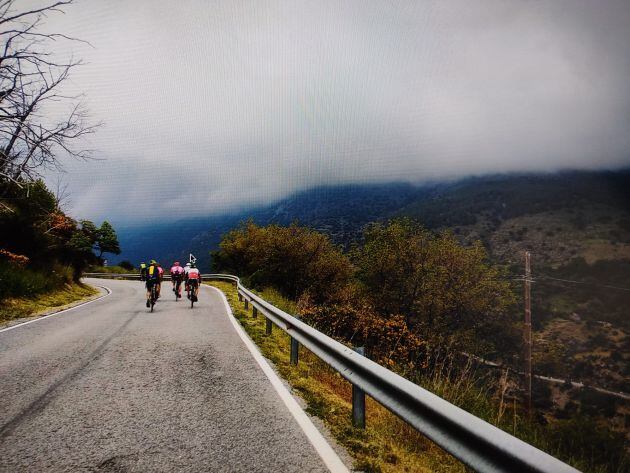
(386, 445)
(17, 307)
(390, 445)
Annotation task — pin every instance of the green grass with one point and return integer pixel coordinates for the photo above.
(18, 281)
(390, 445)
(17, 307)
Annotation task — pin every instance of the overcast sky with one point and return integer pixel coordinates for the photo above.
(214, 106)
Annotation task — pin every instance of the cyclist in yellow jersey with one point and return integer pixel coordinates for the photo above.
(152, 278)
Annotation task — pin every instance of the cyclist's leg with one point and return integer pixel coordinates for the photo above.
(148, 286)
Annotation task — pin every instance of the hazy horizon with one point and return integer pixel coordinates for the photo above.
(212, 109)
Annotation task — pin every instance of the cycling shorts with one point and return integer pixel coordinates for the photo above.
(151, 282)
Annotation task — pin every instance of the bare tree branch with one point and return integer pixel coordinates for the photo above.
(49, 8)
(31, 80)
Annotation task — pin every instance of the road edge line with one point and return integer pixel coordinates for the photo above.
(315, 437)
(109, 291)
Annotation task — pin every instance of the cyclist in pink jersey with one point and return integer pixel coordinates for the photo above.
(177, 276)
(160, 277)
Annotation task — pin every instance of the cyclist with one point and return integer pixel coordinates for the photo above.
(177, 275)
(160, 278)
(193, 280)
(186, 269)
(152, 279)
(143, 271)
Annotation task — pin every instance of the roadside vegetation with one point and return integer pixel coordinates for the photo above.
(416, 300)
(43, 252)
(17, 307)
(124, 267)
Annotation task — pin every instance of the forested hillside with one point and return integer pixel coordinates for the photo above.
(585, 211)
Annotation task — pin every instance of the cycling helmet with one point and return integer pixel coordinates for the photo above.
(176, 263)
(153, 261)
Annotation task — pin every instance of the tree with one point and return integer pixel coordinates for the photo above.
(32, 225)
(295, 260)
(89, 233)
(126, 265)
(442, 288)
(32, 135)
(107, 240)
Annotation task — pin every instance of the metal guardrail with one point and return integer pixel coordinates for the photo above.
(112, 275)
(476, 443)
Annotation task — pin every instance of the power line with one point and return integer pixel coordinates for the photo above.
(571, 281)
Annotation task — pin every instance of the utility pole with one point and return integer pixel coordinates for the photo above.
(527, 336)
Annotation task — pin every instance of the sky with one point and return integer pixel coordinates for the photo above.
(210, 107)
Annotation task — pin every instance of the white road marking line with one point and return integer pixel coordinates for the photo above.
(109, 291)
(322, 447)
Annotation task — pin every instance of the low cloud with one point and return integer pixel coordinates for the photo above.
(212, 107)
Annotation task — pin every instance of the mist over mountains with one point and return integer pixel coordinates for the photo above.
(475, 208)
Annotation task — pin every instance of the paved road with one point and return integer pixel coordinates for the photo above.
(112, 387)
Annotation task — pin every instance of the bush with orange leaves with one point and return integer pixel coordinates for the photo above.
(352, 319)
(18, 260)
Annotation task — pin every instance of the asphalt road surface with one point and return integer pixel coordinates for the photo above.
(112, 387)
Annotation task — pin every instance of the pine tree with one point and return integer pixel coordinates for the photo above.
(107, 240)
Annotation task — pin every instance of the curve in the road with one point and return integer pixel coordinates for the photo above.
(81, 304)
(116, 388)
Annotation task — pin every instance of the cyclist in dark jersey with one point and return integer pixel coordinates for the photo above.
(152, 278)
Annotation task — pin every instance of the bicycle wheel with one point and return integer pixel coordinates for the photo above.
(153, 296)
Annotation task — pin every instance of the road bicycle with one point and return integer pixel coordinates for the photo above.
(153, 295)
(192, 290)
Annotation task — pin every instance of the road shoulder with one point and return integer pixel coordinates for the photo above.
(332, 453)
(101, 291)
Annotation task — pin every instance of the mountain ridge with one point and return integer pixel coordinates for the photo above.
(474, 207)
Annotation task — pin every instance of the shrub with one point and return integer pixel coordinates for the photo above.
(295, 260)
(352, 319)
(16, 281)
(126, 265)
(441, 287)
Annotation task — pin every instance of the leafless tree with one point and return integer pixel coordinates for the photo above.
(31, 80)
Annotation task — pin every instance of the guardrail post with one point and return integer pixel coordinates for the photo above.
(358, 400)
(240, 297)
(295, 351)
(246, 304)
(268, 327)
(254, 311)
